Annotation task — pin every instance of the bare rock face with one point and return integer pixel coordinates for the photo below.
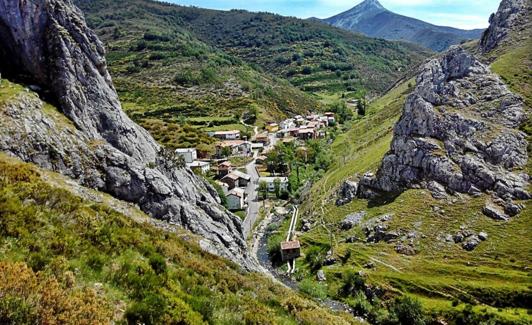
(97, 144)
(458, 133)
(348, 191)
(511, 15)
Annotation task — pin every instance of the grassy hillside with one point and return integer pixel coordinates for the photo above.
(66, 258)
(490, 283)
(312, 55)
(173, 64)
(167, 78)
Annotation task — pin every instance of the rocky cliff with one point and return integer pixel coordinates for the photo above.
(512, 15)
(48, 43)
(458, 133)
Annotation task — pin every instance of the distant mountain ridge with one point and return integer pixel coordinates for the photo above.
(372, 19)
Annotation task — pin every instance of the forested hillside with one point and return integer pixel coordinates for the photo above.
(312, 55)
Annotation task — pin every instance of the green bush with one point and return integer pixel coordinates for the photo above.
(407, 310)
(313, 289)
(137, 278)
(360, 304)
(158, 264)
(95, 261)
(274, 248)
(38, 261)
(352, 283)
(307, 70)
(314, 258)
(148, 311)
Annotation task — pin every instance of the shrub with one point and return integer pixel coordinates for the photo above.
(137, 278)
(38, 261)
(95, 261)
(140, 46)
(30, 298)
(408, 310)
(148, 311)
(274, 248)
(314, 289)
(352, 283)
(360, 304)
(202, 302)
(158, 264)
(155, 37)
(314, 258)
(185, 77)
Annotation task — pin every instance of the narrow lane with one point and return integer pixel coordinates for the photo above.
(253, 187)
(252, 194)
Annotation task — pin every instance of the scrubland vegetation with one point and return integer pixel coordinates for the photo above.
(64, 259)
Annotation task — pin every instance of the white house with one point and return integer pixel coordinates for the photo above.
(202, 166)
(330, 117)
(270, 183)
(257, 146)
(188, 154)
(236, 199)
(287, 124)
(227, 135)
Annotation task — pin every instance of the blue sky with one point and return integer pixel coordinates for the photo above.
(456, 13)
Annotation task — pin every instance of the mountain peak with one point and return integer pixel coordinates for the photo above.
(372, 19)
(367, 6)
(371, 4)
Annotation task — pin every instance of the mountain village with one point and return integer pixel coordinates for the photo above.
(240, 183)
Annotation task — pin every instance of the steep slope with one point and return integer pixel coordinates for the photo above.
(313, 56)
(72, 255)
(461, 265)
(372, 19)
(96, 144)
(512, 18)
(177, 86)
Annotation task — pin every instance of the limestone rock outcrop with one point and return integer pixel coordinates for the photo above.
(458, 133)
(512, 15)
(48, 43)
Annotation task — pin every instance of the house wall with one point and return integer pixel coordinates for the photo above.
(188, 156)
(234, 202)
